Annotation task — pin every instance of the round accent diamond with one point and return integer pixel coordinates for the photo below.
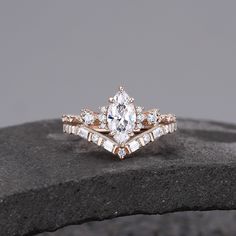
(152, 118)
(102, 117)
(140, 117)
(103, 109)
(121, 153)
(88, 118)
(139, 109)
(102, 126)
(139, 126)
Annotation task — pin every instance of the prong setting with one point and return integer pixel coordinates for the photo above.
(121, 88)
(111, 100)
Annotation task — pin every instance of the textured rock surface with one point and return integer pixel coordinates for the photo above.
(213, 223)
(48, 179)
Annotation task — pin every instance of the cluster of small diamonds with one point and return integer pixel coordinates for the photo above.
(151, 118)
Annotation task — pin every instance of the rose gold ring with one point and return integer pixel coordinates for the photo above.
(121, 127)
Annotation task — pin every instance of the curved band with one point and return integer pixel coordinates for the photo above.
(131, 146)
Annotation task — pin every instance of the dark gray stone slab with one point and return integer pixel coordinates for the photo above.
(48, 179)
(204, 223)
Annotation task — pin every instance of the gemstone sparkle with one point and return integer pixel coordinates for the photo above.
(121, 117)
(88, 118)
(121, 153)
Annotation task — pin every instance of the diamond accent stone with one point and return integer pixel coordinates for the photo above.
(102, 118)
(73, 129)
(64, 128)
(146, 138)
(82, 132)
(140, 117)
(108, 145)
(88, 118)
(121, 117)
(95, 138)
(152, 118)
(134, 145)
(139, 109)
(157, 132)
(121, 153)
(166, 129)
(175, 126)
(139, 126)
(171, 127)
(67, 128)
(103, 109)
(70, 119)
(103, 126)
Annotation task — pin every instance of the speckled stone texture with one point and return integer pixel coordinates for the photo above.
(49, 180)
(207, 223)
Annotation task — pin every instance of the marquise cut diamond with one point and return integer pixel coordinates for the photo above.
(121, 117)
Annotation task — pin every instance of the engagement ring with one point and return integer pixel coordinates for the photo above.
(121, 127)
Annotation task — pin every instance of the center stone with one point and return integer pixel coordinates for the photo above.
(121, 117)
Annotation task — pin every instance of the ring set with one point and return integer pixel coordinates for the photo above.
(121, 127)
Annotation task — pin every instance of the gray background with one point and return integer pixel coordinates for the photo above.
(60, 56)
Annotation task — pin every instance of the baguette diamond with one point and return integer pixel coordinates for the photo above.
(95, 138)
(146, 138)
(157, 132)
(83, 133)
(108, 145)
(134, 145)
